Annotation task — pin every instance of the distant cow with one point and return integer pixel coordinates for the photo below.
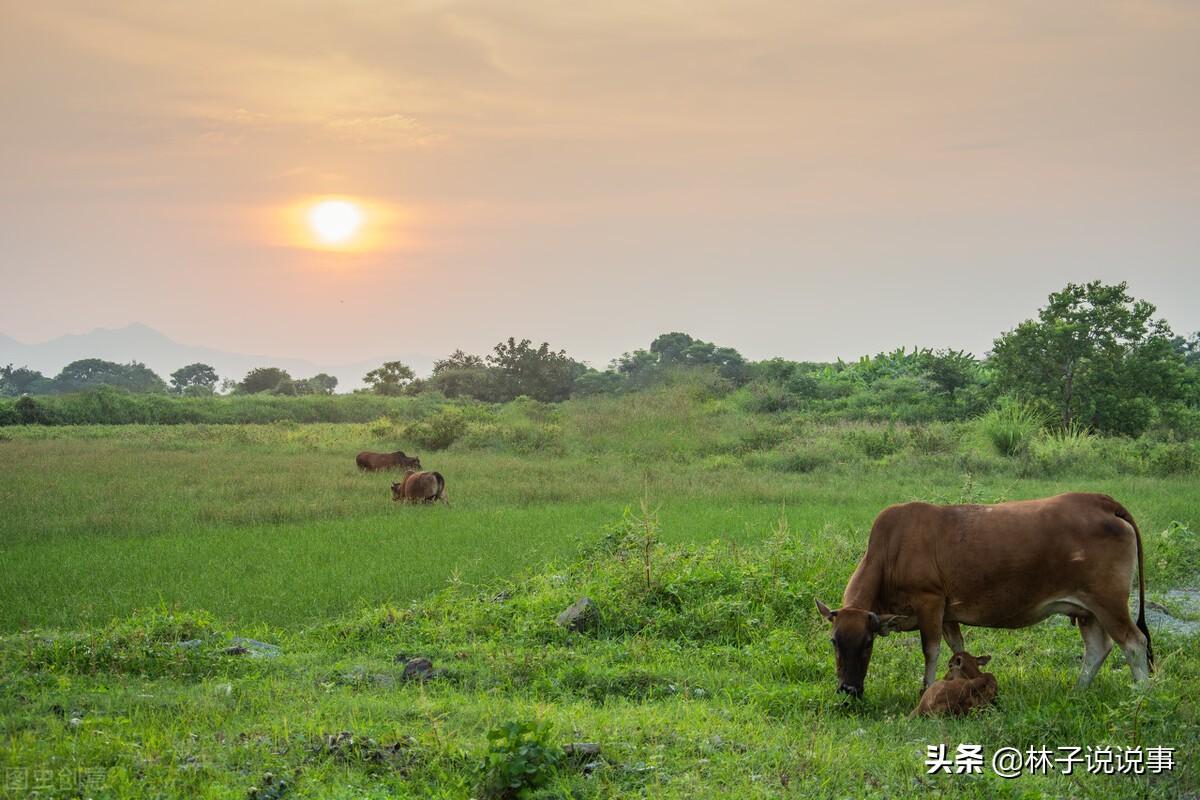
(370, 462)
(421, 487)
(964, 689)
(931, 568)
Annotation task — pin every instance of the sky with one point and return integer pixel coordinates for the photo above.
(801, 179)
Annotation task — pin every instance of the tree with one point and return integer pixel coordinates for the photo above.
(23, 380)
(391, 379)
(478, 382)
(194, 379)
(537, 372)
(88, 373)
(263, 379)
(679, 350)
(1095, 355)
(1189, 348)
(322, 383)
(457, 360)
(950, 370)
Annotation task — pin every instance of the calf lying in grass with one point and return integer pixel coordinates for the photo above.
(963, 689)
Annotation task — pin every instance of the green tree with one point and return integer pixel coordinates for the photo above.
(88, 373)
(950, 370)
(456, 361)
(1095, 355)
(391, 379)
(23, 380)
(537, 372)
(322, 383)
(263, 379)
(194, 379)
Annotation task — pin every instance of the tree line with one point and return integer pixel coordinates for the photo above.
(1094, 357)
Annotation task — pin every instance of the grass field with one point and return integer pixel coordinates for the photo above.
(712, 675)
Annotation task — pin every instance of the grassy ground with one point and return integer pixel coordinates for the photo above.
(712, 675)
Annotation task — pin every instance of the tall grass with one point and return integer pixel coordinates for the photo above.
(1010, 428)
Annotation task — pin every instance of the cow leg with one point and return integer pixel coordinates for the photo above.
(1096, 646)
(929, 619)
(953, 635)
(1114, 618)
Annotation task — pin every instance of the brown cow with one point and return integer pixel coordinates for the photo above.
(964, 688)
(421, 487)
(370, 462)
(1011, 565)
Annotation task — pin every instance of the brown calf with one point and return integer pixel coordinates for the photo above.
(963, 689)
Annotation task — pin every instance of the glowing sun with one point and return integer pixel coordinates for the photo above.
(335, 222)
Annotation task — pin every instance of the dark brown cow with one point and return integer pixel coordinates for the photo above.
(932, 568)
(963, 689)
(421, 487)
(373, 461)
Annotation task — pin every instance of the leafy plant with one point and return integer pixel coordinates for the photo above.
(520, 759)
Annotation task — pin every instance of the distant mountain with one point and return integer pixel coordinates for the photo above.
(164, 355)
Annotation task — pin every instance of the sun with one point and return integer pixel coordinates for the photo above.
(335, 222)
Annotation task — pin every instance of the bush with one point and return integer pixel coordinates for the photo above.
(520, 759)
(767, 398)
(439, 430)
(1010, 428)
(876, 443)
(1175, 458)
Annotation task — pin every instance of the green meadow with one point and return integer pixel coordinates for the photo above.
(130, 556)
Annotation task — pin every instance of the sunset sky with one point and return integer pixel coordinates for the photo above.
(799, 179)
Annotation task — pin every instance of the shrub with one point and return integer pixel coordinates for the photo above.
(520, 759)
(876, 443)
(933, 439)
(767, 398)
(1175, 458)
(439, 430)
(1010, 428)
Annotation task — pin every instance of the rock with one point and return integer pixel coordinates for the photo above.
(500, 597)
(190, 644)
(419, 669)
(580, 616)
(239, 646)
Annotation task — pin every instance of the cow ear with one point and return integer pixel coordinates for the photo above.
(825, 612)
(983, 660)
(888, 623)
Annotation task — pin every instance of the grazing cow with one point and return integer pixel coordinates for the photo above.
(421, 487)
(931, 568)
(962, 690)
(370, 462)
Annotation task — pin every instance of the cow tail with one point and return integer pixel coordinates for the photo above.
(441, 482)
(1141, 620)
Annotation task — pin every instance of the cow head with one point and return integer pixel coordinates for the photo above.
(397, 491)
(854, 632)
(965, 665)
(408, 462)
